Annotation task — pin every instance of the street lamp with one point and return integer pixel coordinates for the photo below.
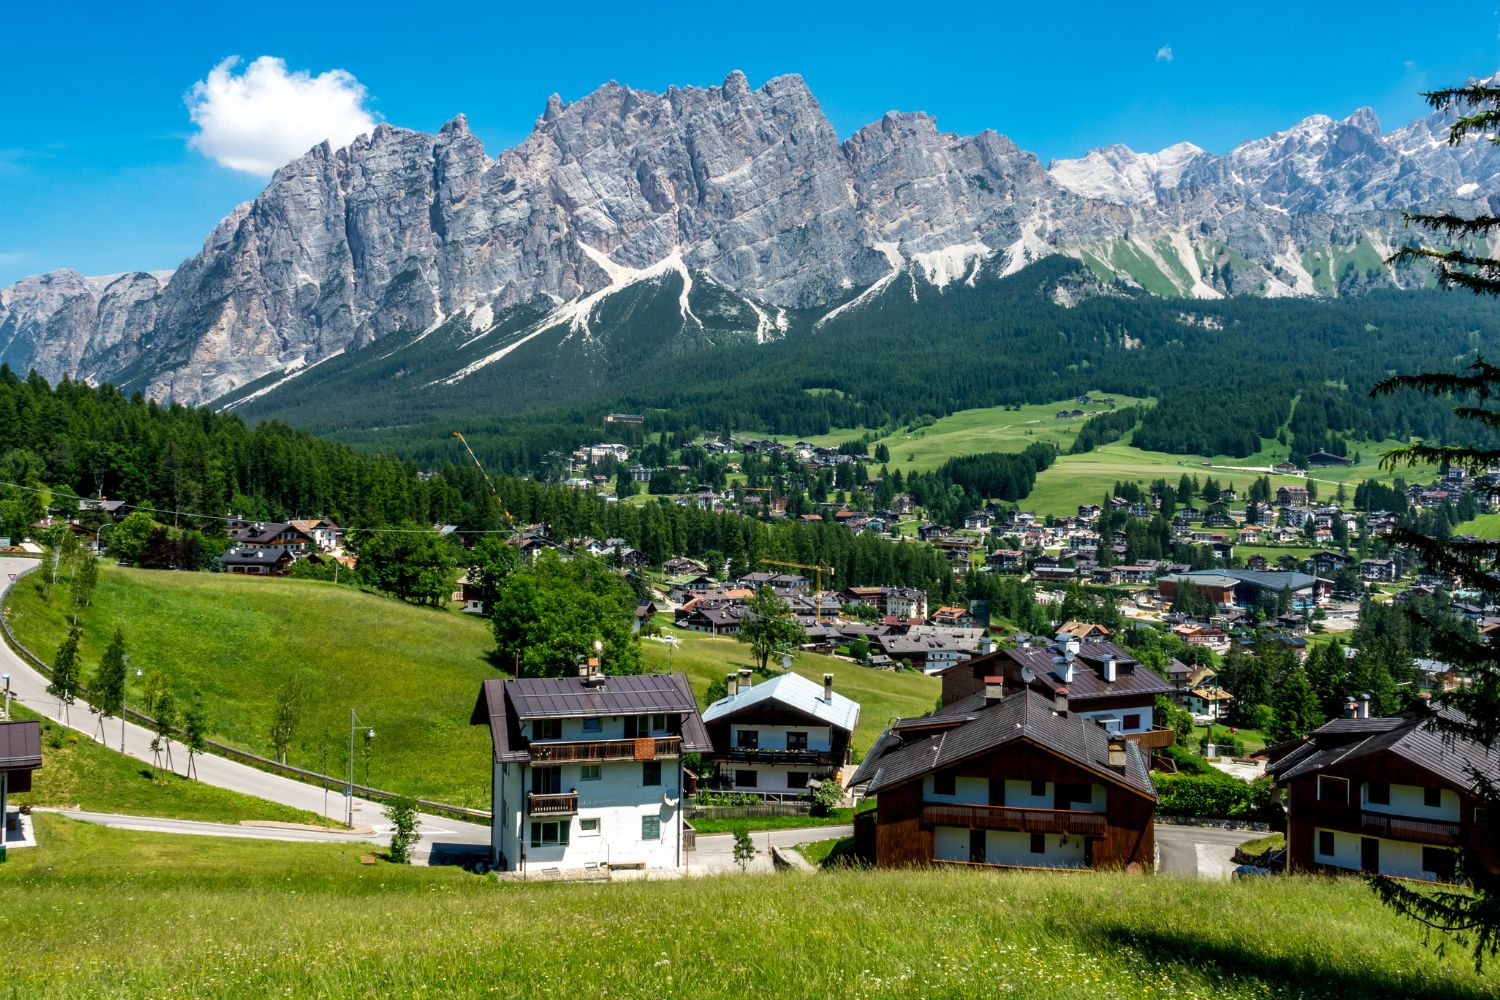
(124, 697)
(349, 794)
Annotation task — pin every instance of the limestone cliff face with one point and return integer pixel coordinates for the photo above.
(402, 231)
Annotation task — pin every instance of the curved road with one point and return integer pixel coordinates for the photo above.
(441, 837)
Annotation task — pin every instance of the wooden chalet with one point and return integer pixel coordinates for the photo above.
(1384, 795)
(1008, 781)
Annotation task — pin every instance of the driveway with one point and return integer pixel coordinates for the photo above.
(715, 852)
(1201, 851)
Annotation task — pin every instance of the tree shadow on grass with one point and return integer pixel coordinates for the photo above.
(1293, 974)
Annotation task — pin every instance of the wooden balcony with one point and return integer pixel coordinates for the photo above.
(760, 755)
(591, 751)
(1153, 739)
(1422, 831)
(551, 804)
(1026, 820)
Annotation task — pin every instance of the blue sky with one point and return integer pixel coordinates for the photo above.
(97, 171)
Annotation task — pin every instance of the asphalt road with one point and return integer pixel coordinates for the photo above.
(1202, 851)
(715, 852)
(442, 839)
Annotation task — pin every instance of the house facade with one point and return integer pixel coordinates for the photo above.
(587, 771)
(1384, 795)
(999, 780)
(774, 739)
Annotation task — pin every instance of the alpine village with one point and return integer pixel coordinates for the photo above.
(700, 544)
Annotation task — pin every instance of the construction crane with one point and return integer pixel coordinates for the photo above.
(487, 480)
(818, 585)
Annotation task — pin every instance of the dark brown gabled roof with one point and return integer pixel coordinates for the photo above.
(1407, 736)
(898, 757)
(20, 745)
(503, 704)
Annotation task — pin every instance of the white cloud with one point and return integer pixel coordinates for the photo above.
(1164, 54)
(266, 116)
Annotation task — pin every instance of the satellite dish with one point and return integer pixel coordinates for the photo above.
(1027, 674)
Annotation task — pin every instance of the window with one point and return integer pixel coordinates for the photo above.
(1325, 843)
(1378, 793)
(1038, 788)
(658, 723)
(1331, 789)
(593, 725)
(543, 834)
(546, 780)
(1132, 722)
(1439, 862)
(546, 729)
(650, 828)
(590, 772)
(796, 779)
(747, 739)
(1433, 799)
(651, 773)
(747, 779)
(796, 741)
(1038, 843)
(588, 828)
(943, 783)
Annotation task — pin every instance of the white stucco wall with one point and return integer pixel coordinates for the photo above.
(1120, 713)
(1409, 800)
(1397, 857)
(1003, 847)
(774, 737)
(618, 800)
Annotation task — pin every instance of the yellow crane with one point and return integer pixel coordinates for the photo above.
(818, 584)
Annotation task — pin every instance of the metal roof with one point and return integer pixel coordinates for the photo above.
(20, 745)
(1025, 715)
(502, 704)
(795, 692)
(1407, 736)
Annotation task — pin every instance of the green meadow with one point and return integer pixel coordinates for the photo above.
(100, 912)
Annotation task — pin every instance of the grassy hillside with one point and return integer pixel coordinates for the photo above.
(411, 673)
(882, 696)
(139, 915)
(76, 771)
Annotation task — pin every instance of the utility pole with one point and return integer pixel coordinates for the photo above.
(349, 804)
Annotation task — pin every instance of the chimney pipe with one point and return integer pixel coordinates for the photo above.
(731, 684)
(1109, 670)
(1351, 708)
(994, 689)
(828, 688)
(1060, 701)
(1364, 706)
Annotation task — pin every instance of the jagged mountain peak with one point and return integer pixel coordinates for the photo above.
(746, 191)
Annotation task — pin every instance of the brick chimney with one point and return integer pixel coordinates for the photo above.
(828, 688)
(994, 689)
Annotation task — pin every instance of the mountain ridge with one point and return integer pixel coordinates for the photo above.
(752, 190)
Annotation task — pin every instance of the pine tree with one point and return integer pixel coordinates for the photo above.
(108, 690)
(1294, 707)
(1471, 712)
(65, 680)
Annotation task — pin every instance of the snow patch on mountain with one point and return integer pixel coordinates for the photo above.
(1119, 175)
(954, 263)
(893, 257)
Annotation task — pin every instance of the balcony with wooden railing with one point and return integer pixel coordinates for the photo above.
(1153, 739)
(1422, 831)
(594, 751)
(766, 755)
(1017, 818)
(552, 803)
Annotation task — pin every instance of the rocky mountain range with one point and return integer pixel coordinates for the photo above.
(747, 203)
